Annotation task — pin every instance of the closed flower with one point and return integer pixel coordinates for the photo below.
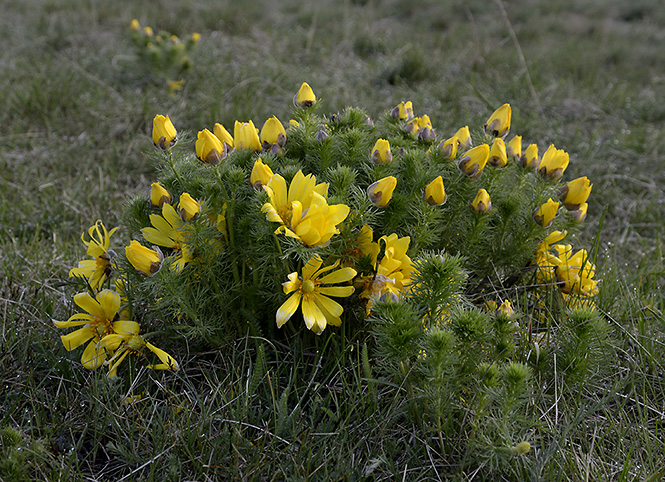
(246, 136)
(482, 202)
(435, 194)
(159, 195)
(529, 160)
(209, 148)
(544, 215)
(163, 132)
(381, 191)
(223, 135)
(305, 96)
(144, 260)
(188, 207)
(498, 156)
(273, 133)
(514, 148)
(579, 214)
(261, 174)
(449, 147)
(575, 193)
(474, 160)
(498, 125)
(554, 163)
(381, 152)
(464, 137)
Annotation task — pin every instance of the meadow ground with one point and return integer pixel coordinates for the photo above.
(76, 110)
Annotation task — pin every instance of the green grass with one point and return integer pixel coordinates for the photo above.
(75, 118)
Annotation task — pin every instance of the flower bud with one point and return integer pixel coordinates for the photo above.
(223, 135)
(381, 191)
(273, 133)
(381, 152)
(159, 195)
(514, 148)
(163, 132)
(209, 149)
(579, 215)
(498, 156)
(196, 37)
(305, 96)
(188, 207)
(554, 163)
(246, 136)
(402, 111)
(435, 194)
(425, 129)
(261, 174)
(135, 25)
(144, 260)
(482, 202)
(322, 135)
(498, 125)
(521, 448)
(474, 160)
(505, 310)
(449, 147)
(575, 193)
(464, 137)
(544, 215)
(529, 160)
(147, 31)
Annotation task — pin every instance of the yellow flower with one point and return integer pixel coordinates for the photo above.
(498, 125)
(554, 163)
(481, 203)
(163, 132)
(294, 123)
(175, 86)
(196, 37)
(97, 322)
(246, 136)
(381, 191)
(402, 111)
(575, 193)
(303, 211)
(261, 174)
(434, 193)
(147, 31)
(223, 135)
(188, 207)
(421, 127)
(145, 260)
(498, 156)
(381, 152)
(544, 215)
(529, 159)
(553, 237)
(505, 310)
(366, 246)
(579, 215)
(273, 133)
(126, 340)
(449, 147)
(135, 25)
(305, 96)
(521, 448)
(317, 309)
(464, 137)
(159, 195)
(575, 272)
(514, 148)
(96, 270)
(473, 161)
(209, 148)
(168, 231)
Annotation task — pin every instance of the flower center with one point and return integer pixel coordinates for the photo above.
(286, 212)
(308, 286)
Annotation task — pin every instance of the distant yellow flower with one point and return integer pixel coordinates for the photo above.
(505, 310)
(498, 125)
(529, 159)
(196, 37)
(223, 135)
(261, 174)
(575, 193)
(147, 31)
(318, 310)
(163, 132)
(554, 163)
(144, 260)
(464, 137)
(175, 86)
(159, 195)
(273, 133)
(434, 193)
(481, 203)
(246, 136)
(381, 152)
(381, 192)
(135, 25)
(305, 96)
(420, 127)
(96, 323)
(544, 215)
(473, 161)
(188, 207)
(498, 156)
(126, 340)
(514, 148)
(449, 147)
(98, 269)
(402, 111)
(209, 148)
(521, 448)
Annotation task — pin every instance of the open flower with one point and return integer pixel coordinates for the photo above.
(544, 215)
(209, 148)
(481, 203)
(434, 193)
(246, 136)
(317, 309)
(381, 152)
(575, 193)
(498, 125)
(498, 156)
(305, 96)
(575, 272)
(473, 161)
(381, 191)
(168, 231)
(126, 340)
(144, 260)
(273, 133)
(554, 163)
(163, 132)
(98, 269)
(96, 323)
